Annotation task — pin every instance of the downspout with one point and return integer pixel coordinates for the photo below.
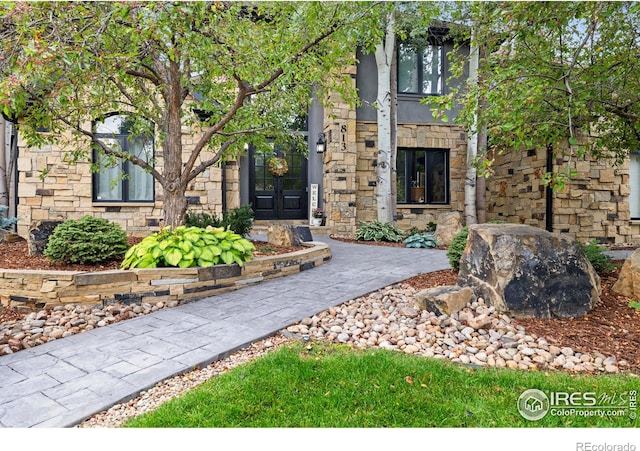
(549, 191)
(224, 186)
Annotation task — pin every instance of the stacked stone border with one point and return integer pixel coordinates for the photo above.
(35, 289)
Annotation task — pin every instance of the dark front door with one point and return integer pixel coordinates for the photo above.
(278, 197)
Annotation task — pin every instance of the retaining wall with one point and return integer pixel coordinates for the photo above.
(31, 289)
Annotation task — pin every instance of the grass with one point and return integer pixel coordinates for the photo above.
(330, 386)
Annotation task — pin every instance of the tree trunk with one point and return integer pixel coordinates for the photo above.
(4, 173)
(394, 134)
(481, 182)
(175, 181)
(384, 57)
(470, 214)
(175, 208)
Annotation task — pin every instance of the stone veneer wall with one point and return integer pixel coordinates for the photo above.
(66, 191)
(42, 289)
(594, 205)
(411, 136)
(340, 187)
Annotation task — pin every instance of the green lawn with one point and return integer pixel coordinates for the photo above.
(331, 386)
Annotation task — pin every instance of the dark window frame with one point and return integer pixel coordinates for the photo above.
(124, 166)
(410, 165)
(419, 52)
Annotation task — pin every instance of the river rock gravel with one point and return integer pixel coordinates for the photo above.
(477, 336)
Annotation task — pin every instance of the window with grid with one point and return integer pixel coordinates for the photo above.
(118, 180)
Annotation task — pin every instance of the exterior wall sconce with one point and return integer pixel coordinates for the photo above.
(321, 144)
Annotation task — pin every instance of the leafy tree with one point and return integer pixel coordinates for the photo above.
(228, 71)
(562, 75)
(391, 21)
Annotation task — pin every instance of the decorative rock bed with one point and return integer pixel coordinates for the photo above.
(31, 289)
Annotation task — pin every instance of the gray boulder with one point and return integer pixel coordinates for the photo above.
(528, 272)
(39, 233)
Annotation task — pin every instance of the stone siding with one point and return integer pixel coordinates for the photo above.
(42, 289)
(65, 191)
(593, 206)
(434, 136)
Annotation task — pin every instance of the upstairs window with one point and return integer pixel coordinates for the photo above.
(420, 69)
(423, 176)
(118, 180)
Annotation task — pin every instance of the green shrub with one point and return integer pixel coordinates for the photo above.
(456, 249)
(6, 223)
(201, 220)
(185, 247)
(88, 241)
(595, 253)
(238, 220)
(378, 231)
(421, 240)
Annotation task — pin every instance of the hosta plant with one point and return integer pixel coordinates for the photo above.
(378, 231)
(421, 240)
(185, 247)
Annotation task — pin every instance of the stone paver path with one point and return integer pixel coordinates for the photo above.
(63, 382)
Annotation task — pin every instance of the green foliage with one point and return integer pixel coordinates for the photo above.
(421, 240)
(239, 220)
(378, 231)
(595, 253)
(6, 223)
(456, 249)
(219, 55)
(201, 219)
(635, 305)
(88, 240)
(531, 91)
(186, 247)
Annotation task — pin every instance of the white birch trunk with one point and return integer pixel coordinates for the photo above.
(4, 191)
(384, 58)
(470, 214)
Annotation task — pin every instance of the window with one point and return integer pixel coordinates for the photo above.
(118, 180)
(634, 182)
(420, 69)
(423, 176)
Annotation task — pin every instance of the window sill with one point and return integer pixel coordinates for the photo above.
(433, 206)
(123, 204)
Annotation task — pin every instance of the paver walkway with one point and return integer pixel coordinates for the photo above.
(63, 382)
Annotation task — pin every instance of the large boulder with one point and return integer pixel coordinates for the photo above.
(39, 233)
(528, 272)
(628, 283)
(284, 235)
(447, 227)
